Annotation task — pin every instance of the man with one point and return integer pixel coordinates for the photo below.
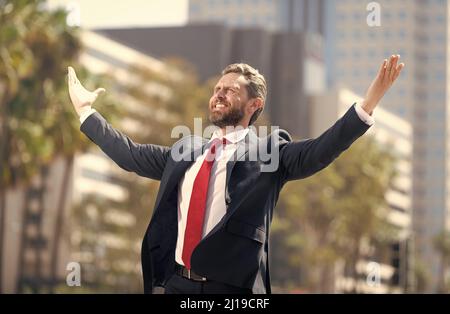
(210, 226)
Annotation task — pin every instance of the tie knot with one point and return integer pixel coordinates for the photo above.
(215, 144)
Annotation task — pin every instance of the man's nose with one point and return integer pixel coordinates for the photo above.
(220, 95)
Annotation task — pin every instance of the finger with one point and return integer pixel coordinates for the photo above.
(382, 70)
(69, 76)
(100, 90)
(398, 70)
(393, 66)
(389, 64)
(72, 76)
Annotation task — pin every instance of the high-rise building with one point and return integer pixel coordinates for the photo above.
(418, 31)
(290, 61)
(274, 15)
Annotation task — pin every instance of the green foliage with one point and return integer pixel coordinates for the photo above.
(37, 120)
(36, 117)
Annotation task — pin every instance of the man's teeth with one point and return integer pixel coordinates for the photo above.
(220, 106)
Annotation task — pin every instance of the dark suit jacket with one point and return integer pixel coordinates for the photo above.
(236, 251)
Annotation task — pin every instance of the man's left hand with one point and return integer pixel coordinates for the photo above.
(388, 73)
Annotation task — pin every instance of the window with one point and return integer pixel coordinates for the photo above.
(356, 34)
(342, 17)
(440, 76)
(356, 73)
(440, 19)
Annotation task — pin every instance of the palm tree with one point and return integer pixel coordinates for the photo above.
(37, 126)
(16, 64)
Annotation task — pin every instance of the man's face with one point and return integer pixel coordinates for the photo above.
(227, 106)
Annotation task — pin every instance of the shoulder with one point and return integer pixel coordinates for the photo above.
(274, 141)
(281, 135)
(278, 137)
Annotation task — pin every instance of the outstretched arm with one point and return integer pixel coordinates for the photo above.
(146, 160)
(301, 159)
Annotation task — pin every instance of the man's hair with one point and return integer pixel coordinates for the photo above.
(256, 84)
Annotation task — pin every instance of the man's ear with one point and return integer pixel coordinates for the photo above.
(256, 104)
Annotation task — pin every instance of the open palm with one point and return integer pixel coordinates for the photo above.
(386, 76)
(81, 98)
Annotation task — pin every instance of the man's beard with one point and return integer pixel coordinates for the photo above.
(230, 118)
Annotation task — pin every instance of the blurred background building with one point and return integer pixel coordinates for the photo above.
(417, 30)
(286, 59)
(273, 15)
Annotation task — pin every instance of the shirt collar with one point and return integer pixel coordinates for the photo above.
(235, 136)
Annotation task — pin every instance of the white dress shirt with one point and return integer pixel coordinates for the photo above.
(215, 201)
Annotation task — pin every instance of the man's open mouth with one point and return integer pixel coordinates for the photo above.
(219, 107)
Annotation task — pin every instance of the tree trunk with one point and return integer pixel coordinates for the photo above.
(442, 283)
(59, 223)
(22, 246)
(2, 232)
(40, 247)
(4, 142)
(30, 274)
(354, 260)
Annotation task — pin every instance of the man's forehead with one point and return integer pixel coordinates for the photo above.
(232, 79)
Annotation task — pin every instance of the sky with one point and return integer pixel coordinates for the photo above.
(120, 13)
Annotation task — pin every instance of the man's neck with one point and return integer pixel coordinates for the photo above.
(231, 128)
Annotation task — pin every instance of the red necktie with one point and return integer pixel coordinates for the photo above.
(197, 204)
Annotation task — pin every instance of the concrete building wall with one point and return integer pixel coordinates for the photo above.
(273, 15)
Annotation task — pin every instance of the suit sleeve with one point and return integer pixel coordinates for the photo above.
(146, 160)
(300, 159)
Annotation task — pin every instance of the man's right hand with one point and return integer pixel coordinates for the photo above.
(81, 98)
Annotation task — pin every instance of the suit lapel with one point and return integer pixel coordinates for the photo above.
(250, 141)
